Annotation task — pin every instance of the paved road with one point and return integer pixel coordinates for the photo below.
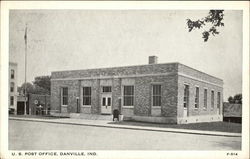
(26, 135)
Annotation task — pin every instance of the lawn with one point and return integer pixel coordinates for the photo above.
(211, 126)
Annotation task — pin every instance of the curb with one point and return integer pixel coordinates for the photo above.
(171, 130)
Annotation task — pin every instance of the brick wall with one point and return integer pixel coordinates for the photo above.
(73, 92)
(202, 85)
(143, 95)
(116, 91)
(117, 71)
(73, 85)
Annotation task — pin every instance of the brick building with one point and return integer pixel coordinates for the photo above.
(13, 87)
(162, 93)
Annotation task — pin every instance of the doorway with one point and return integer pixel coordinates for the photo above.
(106, 104)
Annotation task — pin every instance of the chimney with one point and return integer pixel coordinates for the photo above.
(152, 60)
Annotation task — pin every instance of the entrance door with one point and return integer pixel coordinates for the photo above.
(106, 104)
(20, 108)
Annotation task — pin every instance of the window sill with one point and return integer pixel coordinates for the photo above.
(64, 105)
(127, 106)
(156, 107)
(86, 106)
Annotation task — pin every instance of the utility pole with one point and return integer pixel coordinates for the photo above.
(25, 87)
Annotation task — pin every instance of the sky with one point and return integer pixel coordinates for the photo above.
(81, 39)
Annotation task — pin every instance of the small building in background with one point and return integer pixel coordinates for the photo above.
(37, 104)
(13, 88)
(232, 112)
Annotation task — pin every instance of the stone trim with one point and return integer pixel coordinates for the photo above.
(142, 75)
(110, 77)
(197, 79)
(199, 119)
(129, 107)
(86, 106)
(156, 107)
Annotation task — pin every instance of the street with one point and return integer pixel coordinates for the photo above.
(26, 135)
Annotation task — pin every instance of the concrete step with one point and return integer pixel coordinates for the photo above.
(63, 115)
(91, 116)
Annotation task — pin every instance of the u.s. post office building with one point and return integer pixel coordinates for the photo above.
(161, 93)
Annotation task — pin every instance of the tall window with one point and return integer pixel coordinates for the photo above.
(128, 96)
(212, 99)
(196, 104)
(106, 89)
(12, 74)
(186, 96)
(218, 100)
(86, 96)
(205, 98)
(156, 95)
(12, 86)
(64, 96)
(11, 100)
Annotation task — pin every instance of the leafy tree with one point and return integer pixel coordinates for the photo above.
(214, 18)
(41, 85)
(230, 99)
(237, 99)
(43, 82)
(29, 88)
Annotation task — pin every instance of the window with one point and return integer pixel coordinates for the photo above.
(11, 100)
(212, 99)
(106, 89)
(86, 96)
(12, 74)
(64, 95)
(12, 86)
(109, 101)
(186, 96)
(128, 96)
(156, 95)
(196, 101)
(218, 100)
(205, 98)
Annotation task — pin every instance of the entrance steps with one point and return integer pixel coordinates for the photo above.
(91, 116)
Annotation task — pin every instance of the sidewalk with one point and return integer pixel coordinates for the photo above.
(105, 123)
